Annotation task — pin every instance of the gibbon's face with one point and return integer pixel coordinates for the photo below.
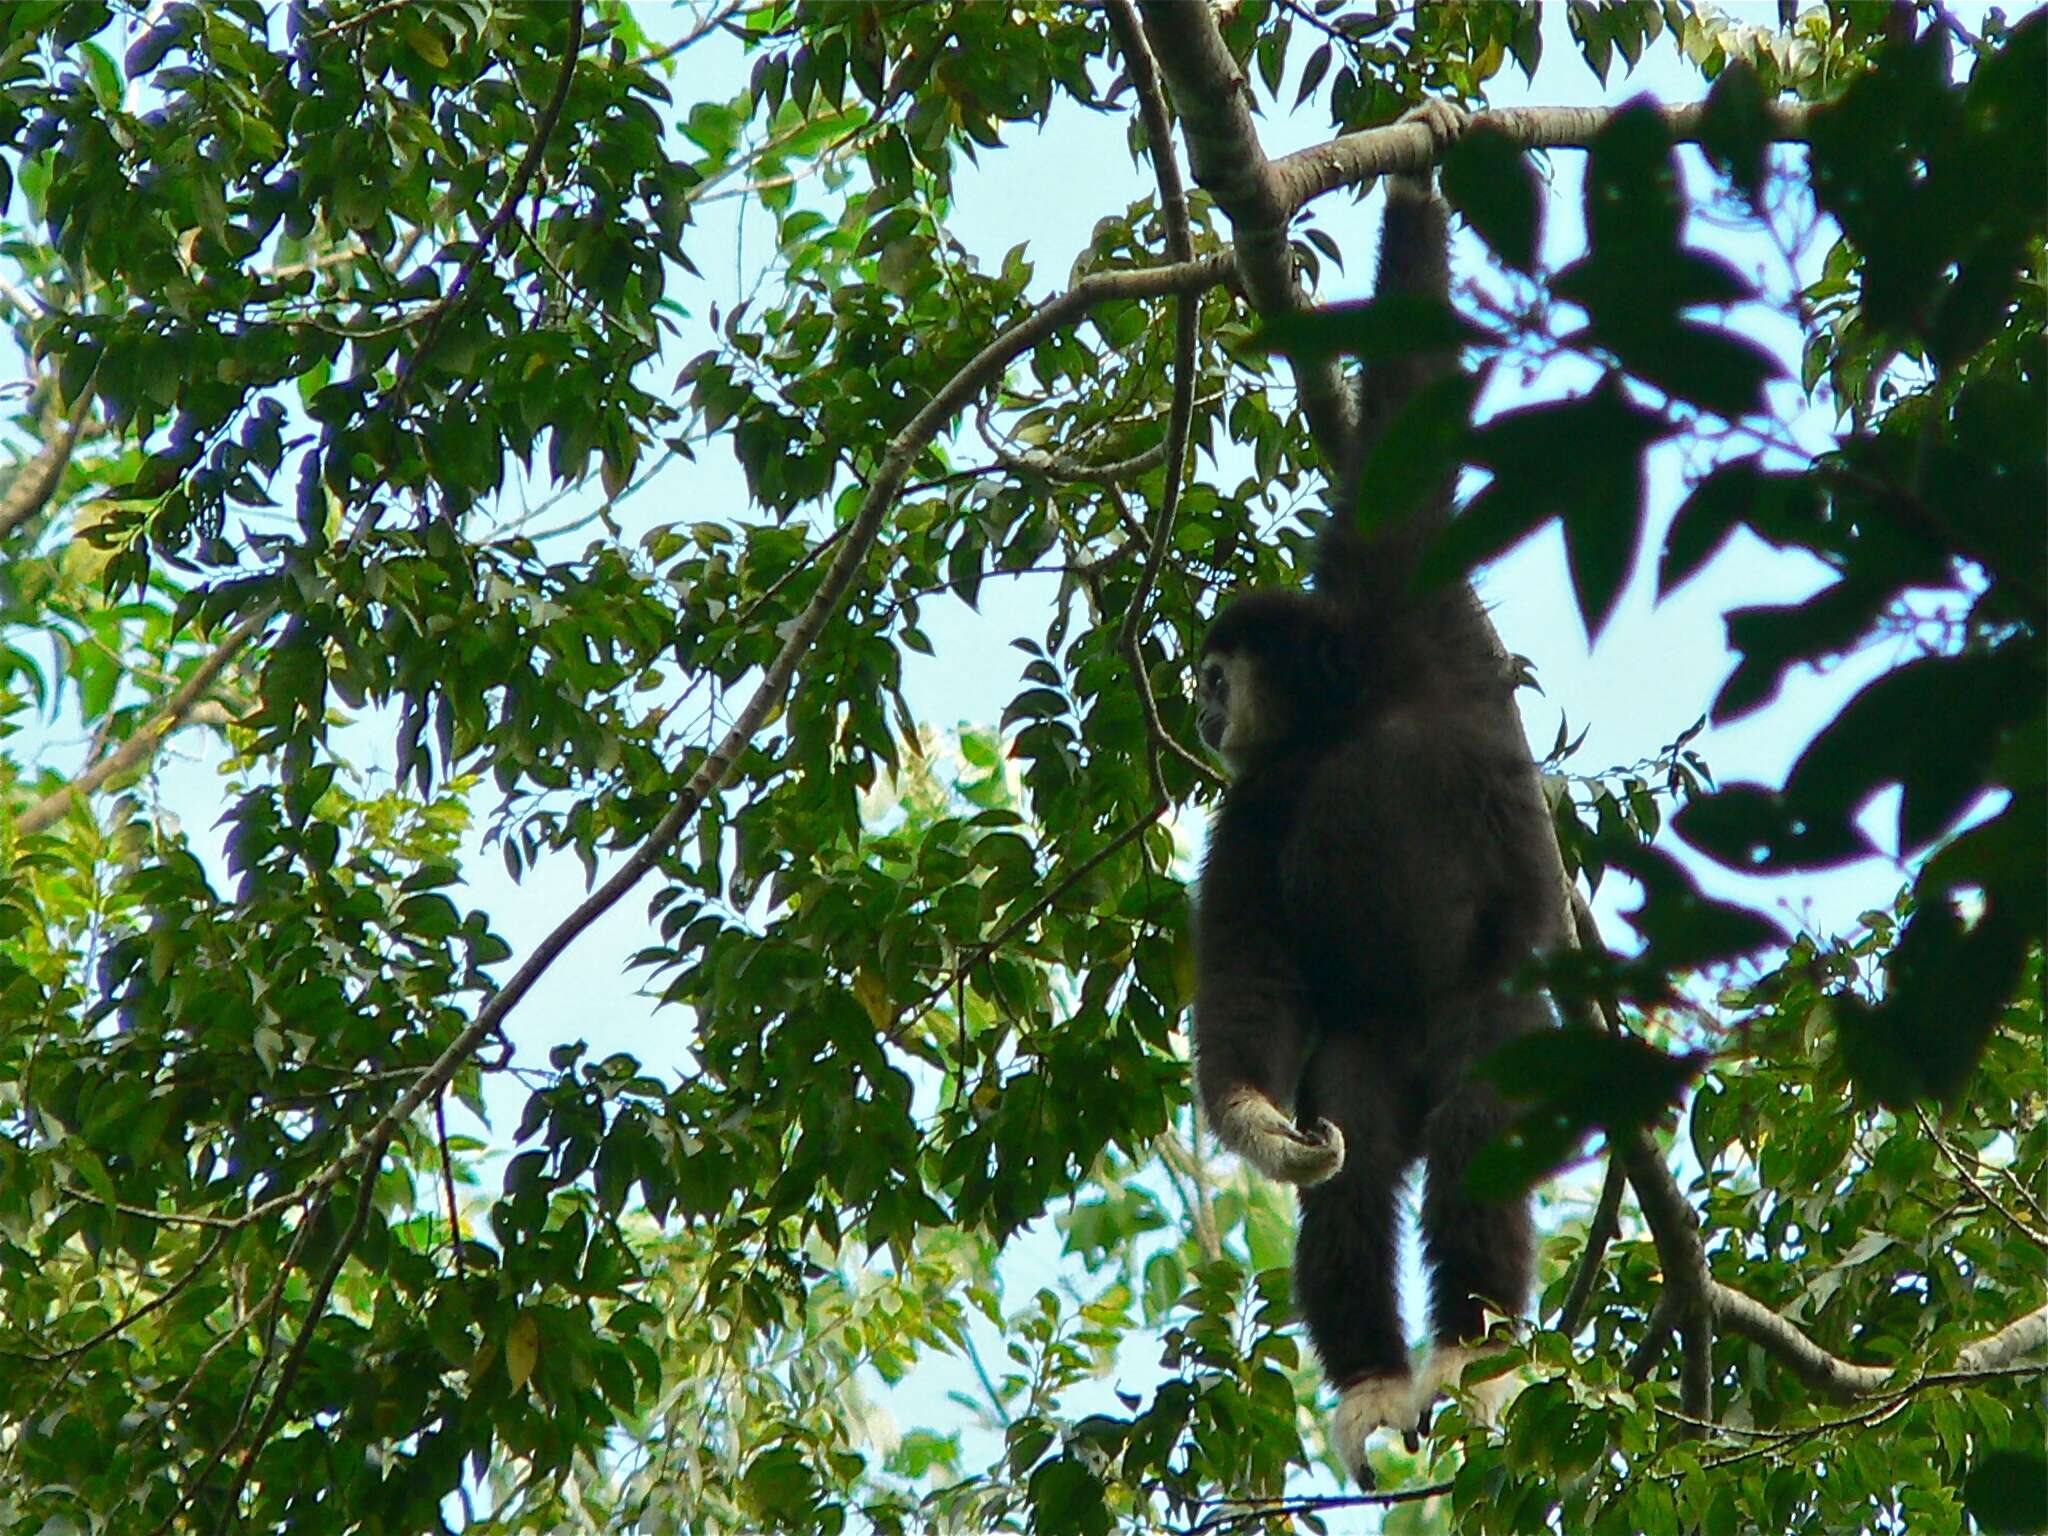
(1227, 694)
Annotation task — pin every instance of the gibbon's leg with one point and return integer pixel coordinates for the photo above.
(1251, 1038)
(1479, 1251)
(1345, 1255)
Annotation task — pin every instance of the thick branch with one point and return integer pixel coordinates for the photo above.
(1036, 461)
(1298, 179)
(1674, 1228)
(1260, 196)
(1214, 102)
(2027, 1335)
(1829, 1373)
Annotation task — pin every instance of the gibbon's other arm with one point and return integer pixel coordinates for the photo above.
(1252, 1038)
(1252, 1034)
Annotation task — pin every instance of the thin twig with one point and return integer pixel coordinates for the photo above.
(1245, 1511)
(295, 1358)
(487, 239)
(163, 1298)
(448, 1181)
(2020, 1224)
(1173, 207)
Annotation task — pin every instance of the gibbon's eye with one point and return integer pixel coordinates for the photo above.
(1212, 677)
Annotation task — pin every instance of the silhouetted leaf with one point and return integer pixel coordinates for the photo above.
(1779, 507)
(1632, 193)
(1399, 325)
(1619, 292)
(1683, 927)
(1573, 1081)
(1947, 983)
(1771, 640)
(1716, 369)
(1751, 828)
(2002, 857)
(1580, 460)
(1931, 727)
(1419, 454)
(1736, 129)
(1487, 177)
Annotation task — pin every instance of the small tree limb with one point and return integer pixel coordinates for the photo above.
(1173, 206)
(1600, 1232)
(147, 739)
(35, 478)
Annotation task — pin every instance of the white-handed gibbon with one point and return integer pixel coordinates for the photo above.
(1381, 867)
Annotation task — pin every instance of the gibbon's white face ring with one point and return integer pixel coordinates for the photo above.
(1231, 724)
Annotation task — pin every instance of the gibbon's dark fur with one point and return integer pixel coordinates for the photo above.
(1382, 865)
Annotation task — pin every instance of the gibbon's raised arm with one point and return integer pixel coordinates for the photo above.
(1366, 557)
(1415, 259)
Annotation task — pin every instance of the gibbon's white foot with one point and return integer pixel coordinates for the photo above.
(1377, 1402)
(1444, 1368)
(1254, 1127)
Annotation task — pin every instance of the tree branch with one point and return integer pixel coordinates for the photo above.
(2025, 1335)
(1674, 1228)
(1236, 1512)
(487, 237)
(1173, 207)
(1970, 1181)
(1307, 174)
(35, 478)
(711, 775)
(1036, 461)
(1214, 102)
(1599, 1233)
(144, 742)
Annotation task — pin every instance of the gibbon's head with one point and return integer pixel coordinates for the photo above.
(1273, 671)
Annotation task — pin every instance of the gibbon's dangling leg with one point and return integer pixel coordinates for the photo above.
(1345, 1280)
(1479, 1251)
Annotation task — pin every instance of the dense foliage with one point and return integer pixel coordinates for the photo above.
(311, 298)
